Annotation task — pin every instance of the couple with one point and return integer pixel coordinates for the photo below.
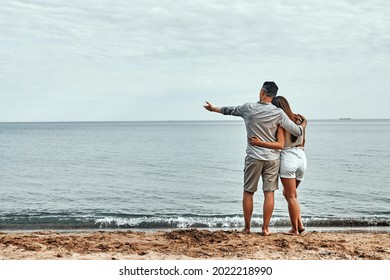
(271, 126)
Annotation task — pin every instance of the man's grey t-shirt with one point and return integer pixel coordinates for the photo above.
(262, 120)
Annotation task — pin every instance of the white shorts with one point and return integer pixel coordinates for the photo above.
(293, 163)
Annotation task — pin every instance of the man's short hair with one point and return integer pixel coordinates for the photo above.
(270, 88)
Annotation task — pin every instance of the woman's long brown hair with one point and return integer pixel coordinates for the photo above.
(282, 103)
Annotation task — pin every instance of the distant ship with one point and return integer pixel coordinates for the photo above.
(345, 119)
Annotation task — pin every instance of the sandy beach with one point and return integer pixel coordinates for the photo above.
(193, 244)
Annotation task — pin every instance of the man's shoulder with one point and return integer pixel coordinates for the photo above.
(258, 105)
(264, 107)
(272, 108)
(248, 106)
(278, 110)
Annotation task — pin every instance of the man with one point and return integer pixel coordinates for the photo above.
(261, 120)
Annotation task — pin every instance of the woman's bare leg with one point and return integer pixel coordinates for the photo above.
(290, 188)
(301, 227)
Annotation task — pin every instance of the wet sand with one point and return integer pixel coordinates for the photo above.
(193, 244)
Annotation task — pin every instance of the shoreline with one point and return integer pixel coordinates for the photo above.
(374, 229)
(192, 244)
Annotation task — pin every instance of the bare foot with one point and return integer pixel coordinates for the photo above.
(301, 230)
(265, 232)
(246, 230)
(292, 232)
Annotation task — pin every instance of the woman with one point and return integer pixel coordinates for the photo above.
(292, 162)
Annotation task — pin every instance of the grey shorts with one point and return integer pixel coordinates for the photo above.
(267, 169)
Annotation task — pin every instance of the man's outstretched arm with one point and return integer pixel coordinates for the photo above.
(210, 107)
(225, 110)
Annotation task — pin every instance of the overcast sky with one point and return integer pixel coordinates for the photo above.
(102, 60)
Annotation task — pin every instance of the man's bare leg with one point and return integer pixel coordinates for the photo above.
(247, 206)
(268, 208)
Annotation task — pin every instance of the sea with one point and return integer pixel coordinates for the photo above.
(183, 174)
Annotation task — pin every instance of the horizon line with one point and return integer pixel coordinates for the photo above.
(232, 120)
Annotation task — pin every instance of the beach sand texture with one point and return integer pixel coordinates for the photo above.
(194, 244)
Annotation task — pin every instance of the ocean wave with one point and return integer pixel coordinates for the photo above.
(170, 222)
